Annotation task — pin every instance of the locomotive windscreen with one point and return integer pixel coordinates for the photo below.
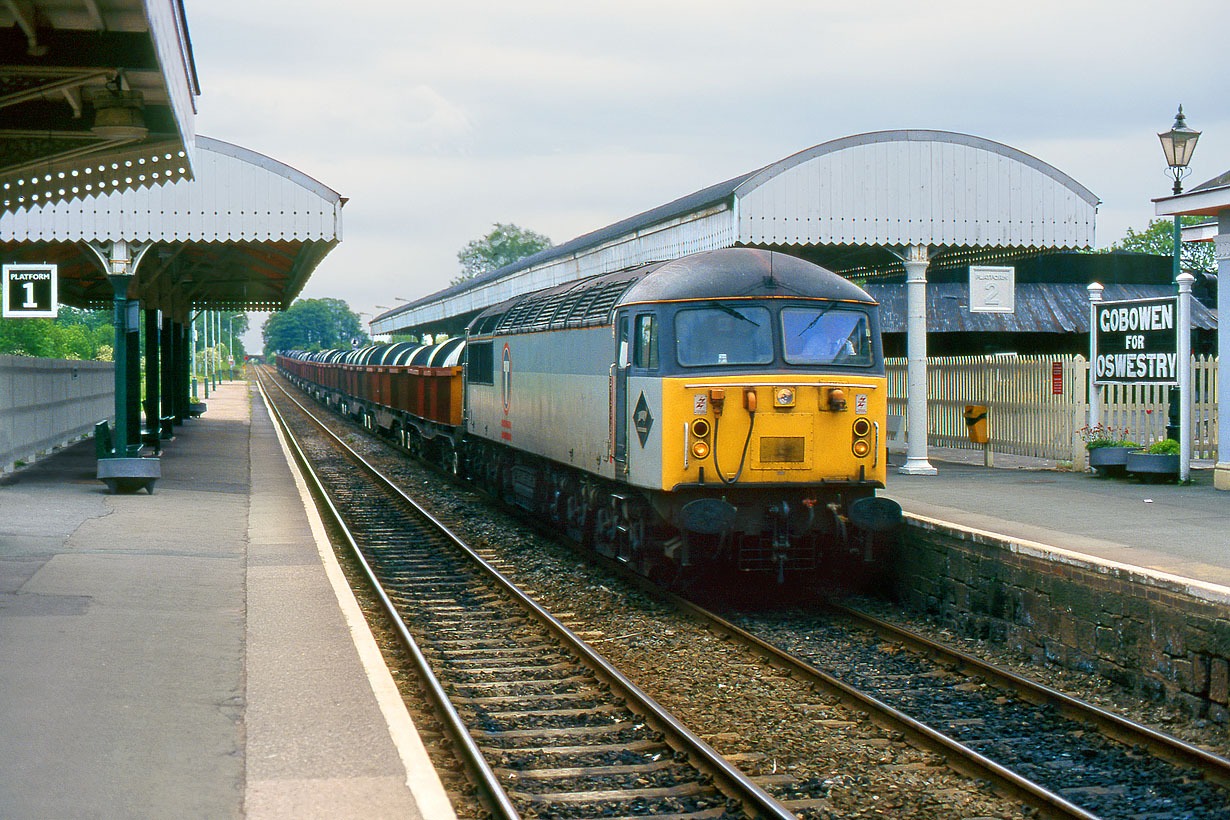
(826, 335)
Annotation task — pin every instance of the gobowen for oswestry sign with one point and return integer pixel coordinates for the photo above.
(1136, 342)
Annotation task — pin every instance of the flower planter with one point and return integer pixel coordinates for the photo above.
(127, 475)
(1150, 467)
(1109, 461)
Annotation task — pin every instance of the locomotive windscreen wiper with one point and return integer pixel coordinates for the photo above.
(821, 312)
(734, 313)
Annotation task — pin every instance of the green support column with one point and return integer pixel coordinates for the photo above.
(181, 373)
(119, 437)
(153, 375)
(205, 351)
(166, 407)
(133, 374)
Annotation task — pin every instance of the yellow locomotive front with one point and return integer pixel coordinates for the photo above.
(756, 419)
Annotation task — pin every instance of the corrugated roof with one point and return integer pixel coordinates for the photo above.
(1041, 307)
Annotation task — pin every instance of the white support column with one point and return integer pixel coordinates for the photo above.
(1095, 393)
(1221, 472)
(1184, 351)
(916, 463)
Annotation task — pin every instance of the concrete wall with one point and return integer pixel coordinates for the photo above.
(1164, 637)
(46, 403)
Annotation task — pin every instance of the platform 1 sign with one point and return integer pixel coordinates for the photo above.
(30, 292)
(1136, 342)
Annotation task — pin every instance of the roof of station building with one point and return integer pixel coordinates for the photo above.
(64, 62)
(846, 205)
(245, 234)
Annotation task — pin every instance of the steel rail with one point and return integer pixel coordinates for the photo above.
(1213, 767)
(730, 779)
(484, 778)
(958, 756)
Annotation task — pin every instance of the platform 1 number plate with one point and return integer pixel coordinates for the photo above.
(30, 292)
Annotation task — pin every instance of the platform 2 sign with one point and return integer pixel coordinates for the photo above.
(30, 292)
(1136, 342)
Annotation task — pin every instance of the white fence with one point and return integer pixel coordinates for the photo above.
(45, 403)
(1039, 405)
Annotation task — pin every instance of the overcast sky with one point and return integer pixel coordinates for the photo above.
(439, 119)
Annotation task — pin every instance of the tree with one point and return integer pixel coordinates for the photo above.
(504, 245)
(312, 324)
(1158, 238)
(73, 334)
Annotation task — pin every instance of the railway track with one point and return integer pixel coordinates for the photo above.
(1065, 758)
(545, 725)
(1059, 767)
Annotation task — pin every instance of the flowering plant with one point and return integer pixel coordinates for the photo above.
(1165, 447)
(1099, 435)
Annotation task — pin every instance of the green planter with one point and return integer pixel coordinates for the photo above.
(1153, 467)
(1110, 461)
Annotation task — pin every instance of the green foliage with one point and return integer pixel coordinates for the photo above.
(505, 244)
(1158, 238)
(312, 324)
(73, 334)
(1101, 435)
(1165, 447)
(219, 352)
(1110, 442)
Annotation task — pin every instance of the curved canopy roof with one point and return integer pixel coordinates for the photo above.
(64, 63)
(727, 272)
(244, 235)
(846, 205)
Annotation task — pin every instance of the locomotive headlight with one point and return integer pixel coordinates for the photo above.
(860, 446)
(783, 397)
(700, 449)
(700, 427)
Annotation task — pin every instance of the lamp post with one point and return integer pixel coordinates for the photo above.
(1178, 144)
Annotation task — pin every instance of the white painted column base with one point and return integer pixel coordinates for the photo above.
(1221, 475)
(917, 466)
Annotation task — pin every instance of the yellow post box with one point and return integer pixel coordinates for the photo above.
(976, 423)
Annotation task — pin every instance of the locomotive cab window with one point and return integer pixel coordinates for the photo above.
(723, 335)
(826, 335)
(645, 353)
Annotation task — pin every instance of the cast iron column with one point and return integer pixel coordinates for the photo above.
(181, 375)
(153, 373)
(166, 407)
(916, 462)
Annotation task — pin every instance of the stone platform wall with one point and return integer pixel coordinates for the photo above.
(1164, 637)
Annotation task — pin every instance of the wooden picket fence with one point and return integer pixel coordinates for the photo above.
(1039, 405)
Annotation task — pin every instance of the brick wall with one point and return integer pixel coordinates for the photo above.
(1164, 637)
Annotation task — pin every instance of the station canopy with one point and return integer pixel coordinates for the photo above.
(95, 96)
(852, 205)
(245, 234)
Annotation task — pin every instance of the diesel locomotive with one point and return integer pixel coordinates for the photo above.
(719, 412)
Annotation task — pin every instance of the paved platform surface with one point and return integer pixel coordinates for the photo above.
(189, 654)
(1165, 528)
